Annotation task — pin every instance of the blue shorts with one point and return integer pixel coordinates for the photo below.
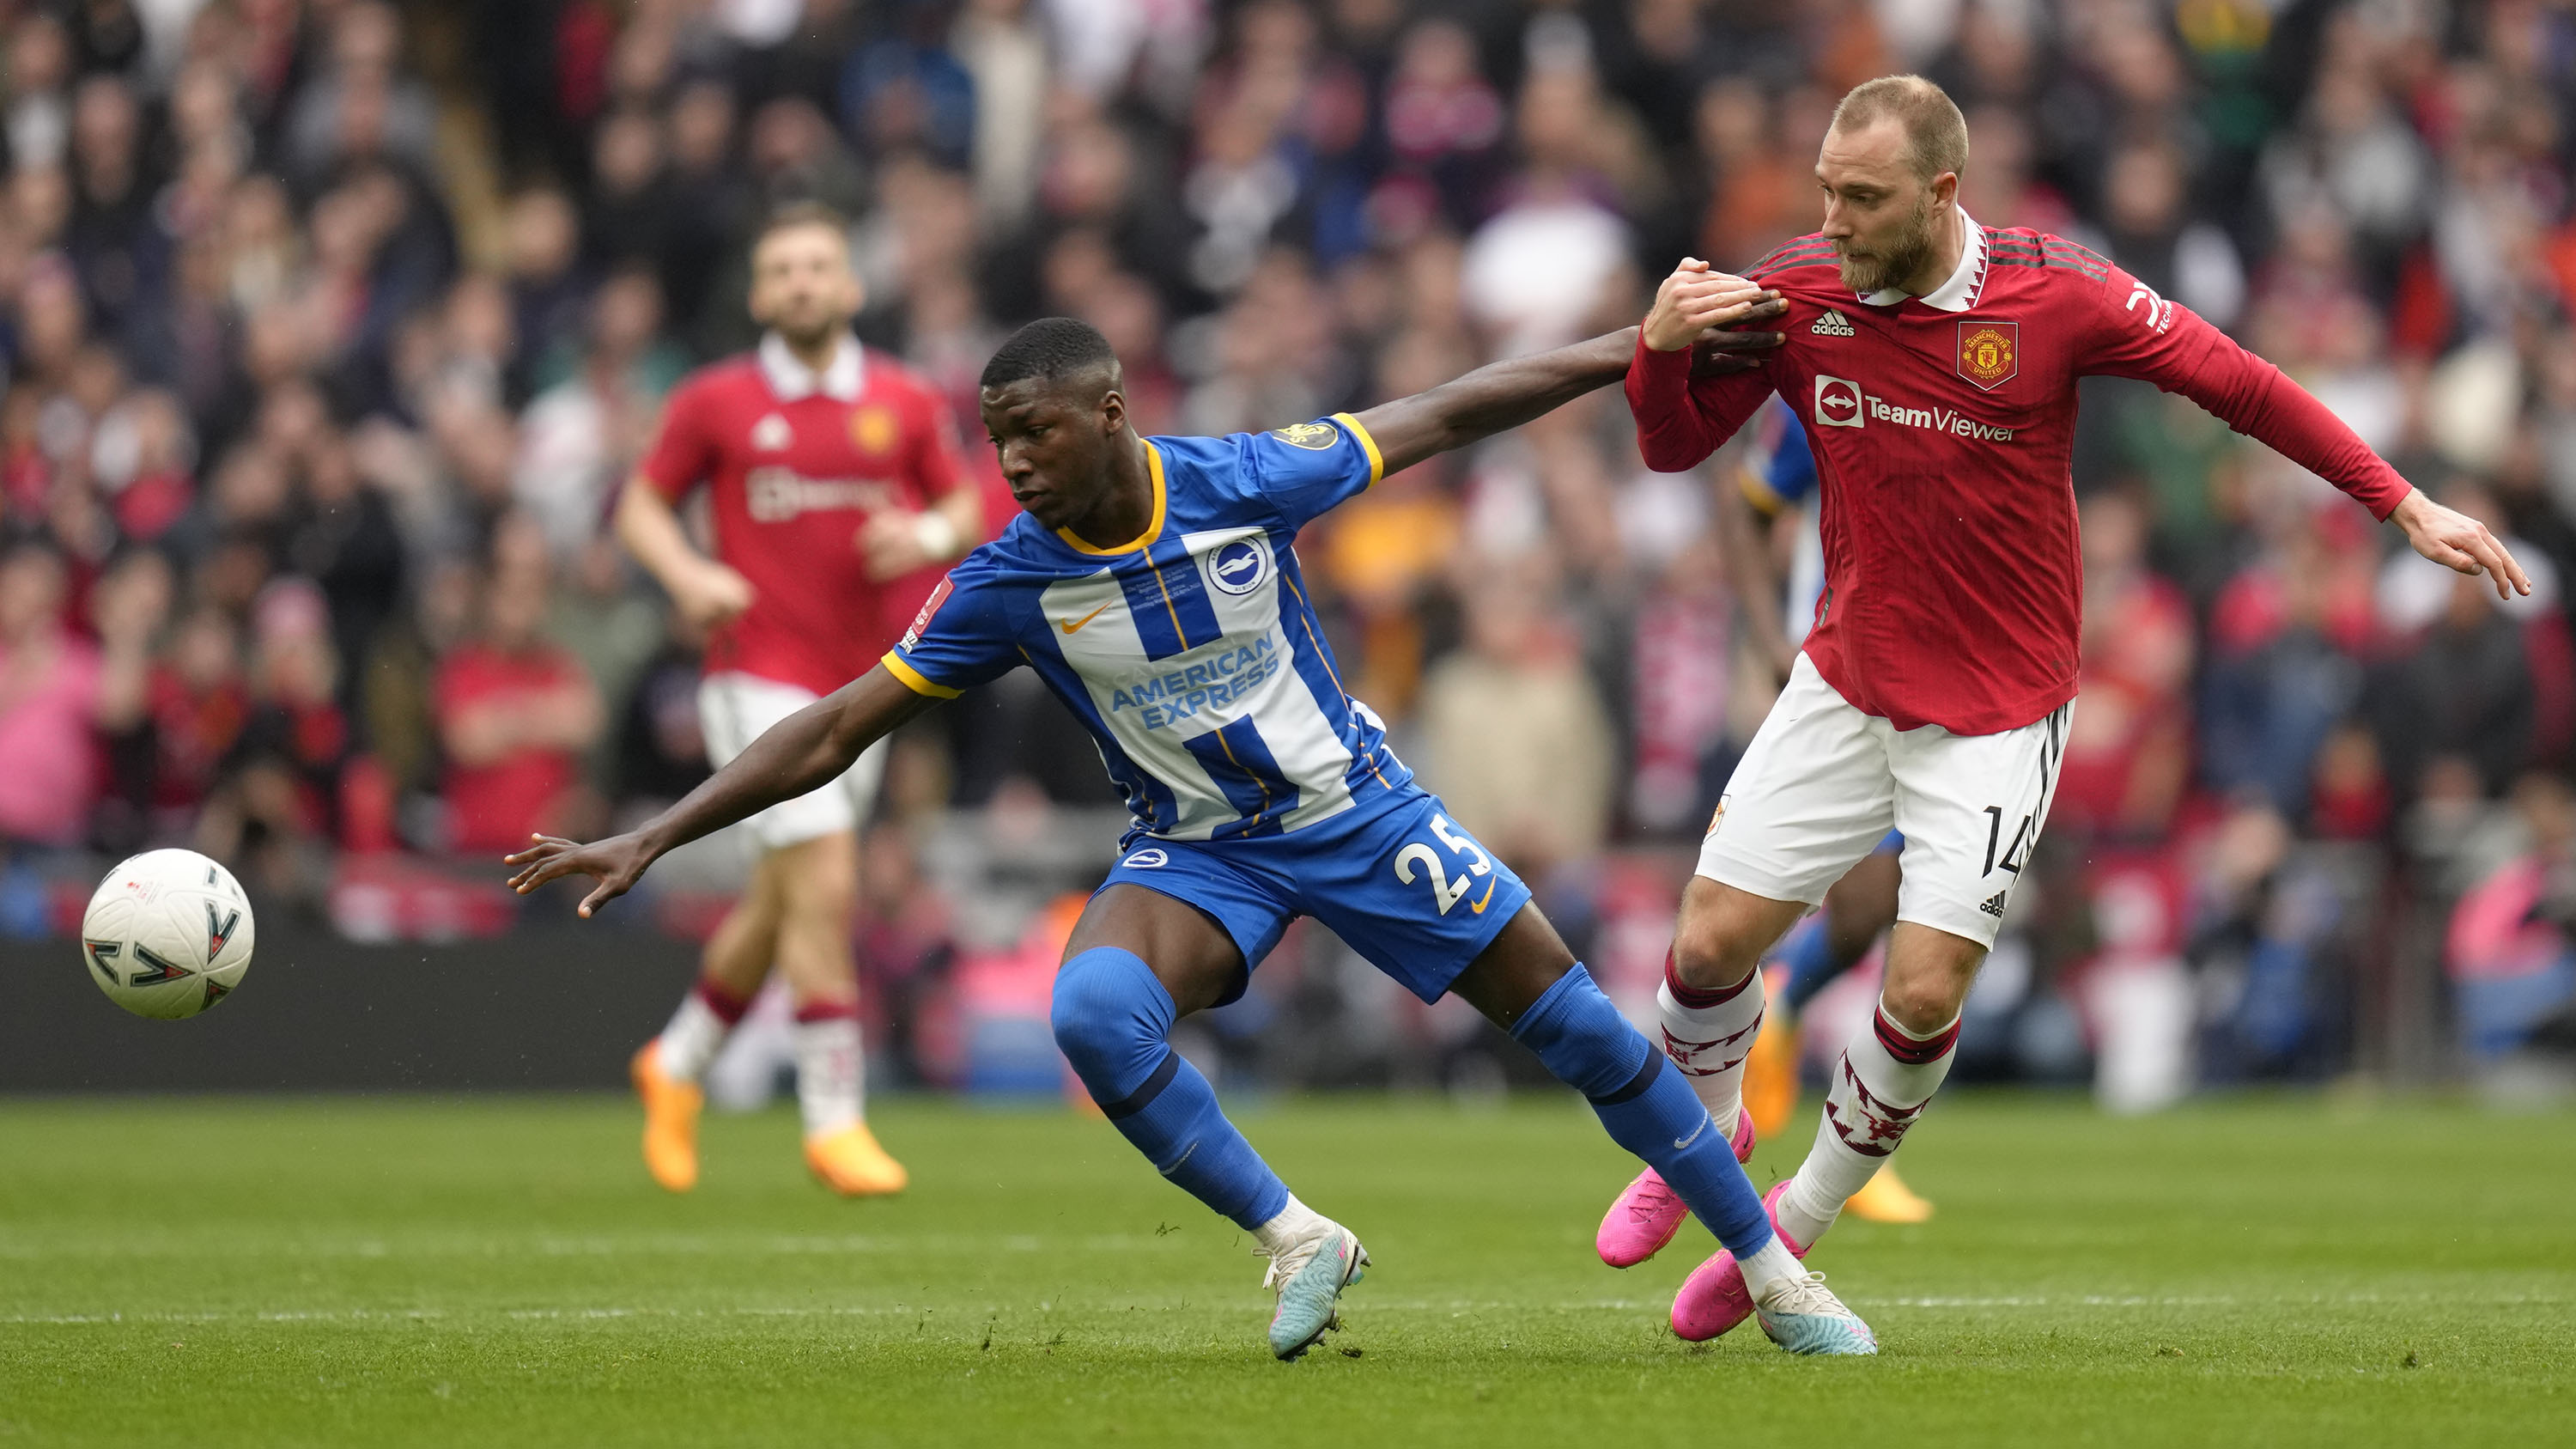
(1889, 844)
(1399, 881)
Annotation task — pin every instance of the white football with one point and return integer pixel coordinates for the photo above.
(168, 934)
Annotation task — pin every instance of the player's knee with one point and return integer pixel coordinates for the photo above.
(1110, 1017)
(1922, 1003)
(1708, 953)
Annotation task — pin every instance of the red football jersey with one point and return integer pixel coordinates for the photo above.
(795, 464)
(1943, 428)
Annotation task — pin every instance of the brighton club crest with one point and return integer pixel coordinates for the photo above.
(1989, 352)
(1313, 436)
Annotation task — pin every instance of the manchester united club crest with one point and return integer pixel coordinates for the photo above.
(1313, 436)
(1989, 352)
(874, 429)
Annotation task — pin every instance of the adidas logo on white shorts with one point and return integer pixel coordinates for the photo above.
(1994, 906)
(1832, 324)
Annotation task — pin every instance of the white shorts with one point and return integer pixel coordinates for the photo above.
(1823, 782)
(734, 709)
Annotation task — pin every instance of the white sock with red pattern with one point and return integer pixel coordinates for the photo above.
(831, 1066)
(1708, 1034)
(1879, 1088)
(697, 1030)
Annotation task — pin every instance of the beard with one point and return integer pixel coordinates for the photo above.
(1903, 255)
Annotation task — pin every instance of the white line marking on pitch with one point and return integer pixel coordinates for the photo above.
(1451, 1306)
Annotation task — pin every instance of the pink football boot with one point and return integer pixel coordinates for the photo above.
(1648, 1214)
(1714, 1297)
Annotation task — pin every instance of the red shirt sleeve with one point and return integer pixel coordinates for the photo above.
(2149, 338)
(682, 454)
(1680, 421)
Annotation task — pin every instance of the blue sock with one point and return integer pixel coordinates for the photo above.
(1649, 1110)
(1111, 1021)
(1809, 955)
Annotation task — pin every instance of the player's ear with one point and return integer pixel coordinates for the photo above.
(1113, 412)
(1945, 187)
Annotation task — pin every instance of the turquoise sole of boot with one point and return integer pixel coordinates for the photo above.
(1819, 1335)
(1310, 1303)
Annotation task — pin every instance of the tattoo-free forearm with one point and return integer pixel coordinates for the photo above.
(799, 754)
(1494, 398)
(651, 530)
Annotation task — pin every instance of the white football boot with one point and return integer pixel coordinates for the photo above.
(1803, 1316)
(1309, 1276)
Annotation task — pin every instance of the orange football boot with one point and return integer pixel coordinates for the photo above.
(671, 1108)
(1886, 1199)
(852, 1164)
(1771, 1075)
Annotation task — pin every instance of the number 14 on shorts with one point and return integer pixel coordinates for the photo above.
(1444, 891)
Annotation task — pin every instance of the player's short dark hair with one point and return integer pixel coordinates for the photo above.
(1050, 347)
(791, 215)
(1931, 120)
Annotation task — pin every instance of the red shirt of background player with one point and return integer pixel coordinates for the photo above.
(794, 465)
(494, 806)
(1943, 429)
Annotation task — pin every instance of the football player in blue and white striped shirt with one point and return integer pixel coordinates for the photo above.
(1153, 585)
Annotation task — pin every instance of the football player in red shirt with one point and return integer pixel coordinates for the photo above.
(837, 492)
(1934, 361)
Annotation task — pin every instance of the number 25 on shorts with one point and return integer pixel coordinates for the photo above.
(1445, 892)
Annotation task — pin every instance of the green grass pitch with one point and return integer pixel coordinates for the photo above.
(378, 1272)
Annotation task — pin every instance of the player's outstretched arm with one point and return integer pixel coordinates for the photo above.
(2151, 338)
(799, 754)
(1503, 395)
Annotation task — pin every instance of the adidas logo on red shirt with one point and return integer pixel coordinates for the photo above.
(1832, 324)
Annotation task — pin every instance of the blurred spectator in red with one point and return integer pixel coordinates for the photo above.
(2129, 753)
(127, 608)
(278, 806)
(200, 701)
(1682, 683)
(49, 700)
(515, 714)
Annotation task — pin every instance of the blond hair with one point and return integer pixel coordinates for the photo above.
(1936, 132)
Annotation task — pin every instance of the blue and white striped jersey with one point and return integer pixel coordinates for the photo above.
(1191, 653)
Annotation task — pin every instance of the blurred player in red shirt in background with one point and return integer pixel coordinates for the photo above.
(836, 491)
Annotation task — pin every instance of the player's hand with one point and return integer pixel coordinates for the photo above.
(1724, 351)
(1696, 298)
(712, 594)
(2457, 541)
(617, 863)
(896, 543)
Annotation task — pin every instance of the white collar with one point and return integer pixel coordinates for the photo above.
(790, 379)
(1960, 292)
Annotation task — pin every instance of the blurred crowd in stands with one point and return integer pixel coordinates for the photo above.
(332, 327)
